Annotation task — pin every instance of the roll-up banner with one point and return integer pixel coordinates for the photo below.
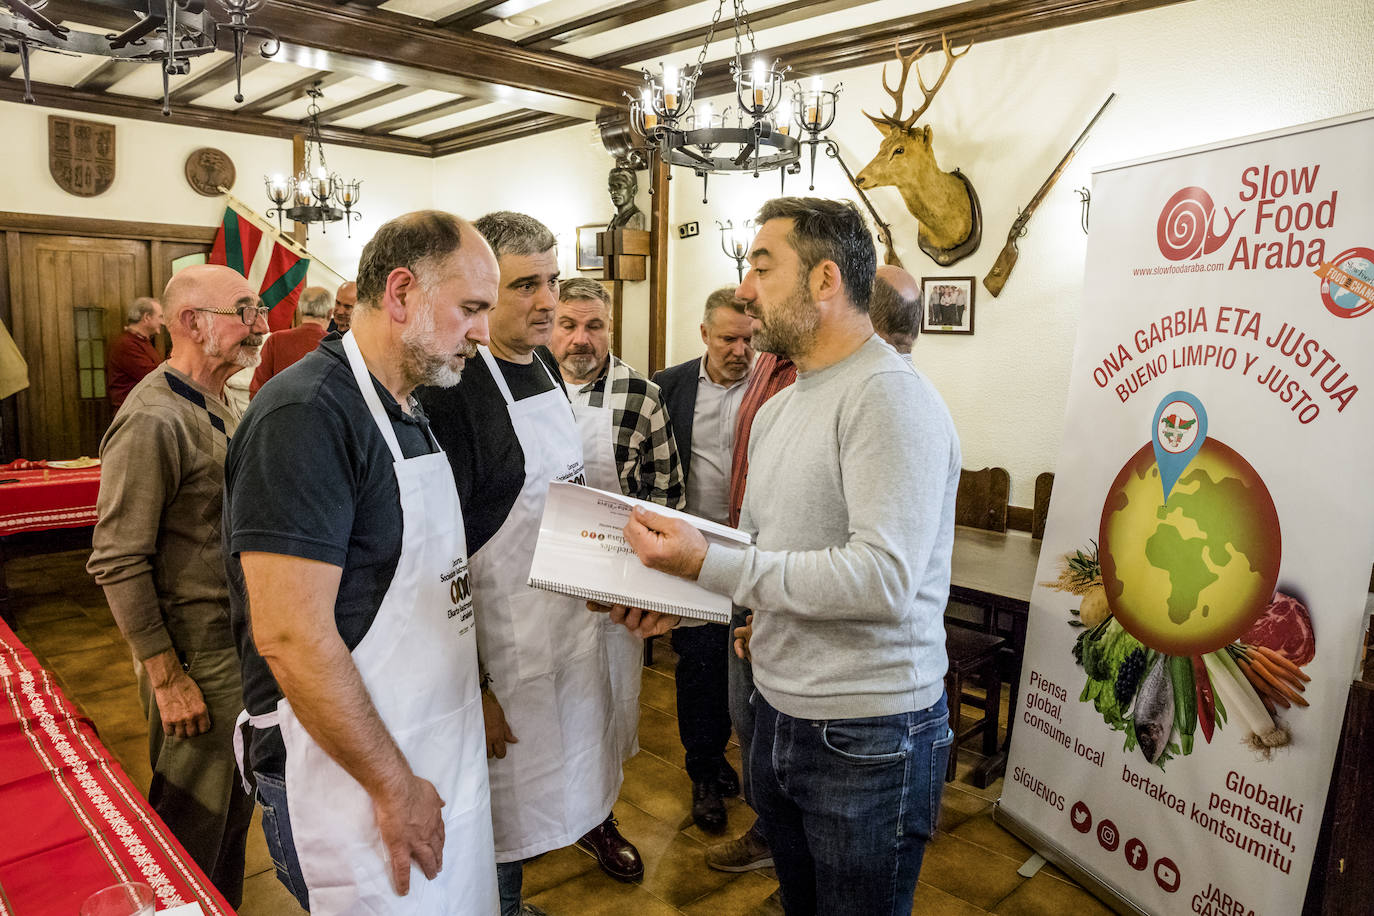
(1198, 609)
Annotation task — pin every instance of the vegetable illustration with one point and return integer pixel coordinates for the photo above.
(1185, 700)
(1237, 693)
(1206, 709)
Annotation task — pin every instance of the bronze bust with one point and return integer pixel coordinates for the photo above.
(623, 185)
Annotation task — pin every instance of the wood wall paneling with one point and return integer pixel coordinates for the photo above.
(658, 268)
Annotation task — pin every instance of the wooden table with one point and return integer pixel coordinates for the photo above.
(43, 499)
(996, 570)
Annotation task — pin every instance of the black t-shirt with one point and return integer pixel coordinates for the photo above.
(309, 475)
(472, 423)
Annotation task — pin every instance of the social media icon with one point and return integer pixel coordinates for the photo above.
(1166, 875)
(1107, 836)
(1136, 855)
(1081, 817)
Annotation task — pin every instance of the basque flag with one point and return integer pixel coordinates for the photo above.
(277, 272)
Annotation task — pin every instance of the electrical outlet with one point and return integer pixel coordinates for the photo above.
(687, 230)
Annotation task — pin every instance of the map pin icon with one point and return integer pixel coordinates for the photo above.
(1180, 428)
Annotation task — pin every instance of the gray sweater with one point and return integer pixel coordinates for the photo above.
(852, 477)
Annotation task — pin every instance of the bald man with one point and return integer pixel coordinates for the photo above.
(895, 308)
(341, 319)
(156, 553)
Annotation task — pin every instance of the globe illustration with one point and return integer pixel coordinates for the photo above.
(1189, 576)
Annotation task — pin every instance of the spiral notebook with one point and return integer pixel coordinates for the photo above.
(582, 552)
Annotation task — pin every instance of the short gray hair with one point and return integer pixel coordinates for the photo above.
(417, 241)
(137, 309)
(722, 298)
(583, 288)
(508, 232)
(315, 302)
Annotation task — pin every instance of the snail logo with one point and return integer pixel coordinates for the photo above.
(1185, 226)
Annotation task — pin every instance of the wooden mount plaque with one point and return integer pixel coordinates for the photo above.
(626, 252)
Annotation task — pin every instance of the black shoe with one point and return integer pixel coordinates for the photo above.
(617, 856)
(708, 809)
(727, 781)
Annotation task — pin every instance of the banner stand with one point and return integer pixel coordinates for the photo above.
(1042, 844)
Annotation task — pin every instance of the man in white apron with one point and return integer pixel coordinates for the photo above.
(508, 431)
(627, 447)
(351, 597)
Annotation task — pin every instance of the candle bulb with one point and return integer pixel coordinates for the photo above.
(669, 87)
(758, 83)
(705, 114)
(646, 108)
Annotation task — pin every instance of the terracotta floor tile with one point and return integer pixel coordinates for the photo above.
(981, 831)
(595, 892)
(116, 712)
(658, 691)
(659, 736)
(555, 868)
(264, 895)
(738, 897)
(658, 787)
(930, 901)
(92, 670)
(971, 873)
(957, 806)
(1047, 896)
(680, 876)
(257, 860)
(132, 754)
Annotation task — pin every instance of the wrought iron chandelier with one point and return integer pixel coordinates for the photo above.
(692, 135)
(314, 193)
(165, 32)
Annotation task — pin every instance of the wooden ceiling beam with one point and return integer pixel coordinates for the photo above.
(597, 23)
(976, 20)
(511, 126)
(392, 48)
(217, 77)
(442, 110)
(123, 106)
(689, 39)
(105, 76)
(470, 17)
(294, 91)
(367, 102)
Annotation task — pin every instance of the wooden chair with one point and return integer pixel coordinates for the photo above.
(1043, 485)
(973, 655)
(982, 499)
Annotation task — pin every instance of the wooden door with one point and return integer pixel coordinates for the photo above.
(71, 296)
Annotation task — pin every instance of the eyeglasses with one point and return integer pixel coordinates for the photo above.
(248, 314)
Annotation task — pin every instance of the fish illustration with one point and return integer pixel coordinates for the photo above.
(1154, 710)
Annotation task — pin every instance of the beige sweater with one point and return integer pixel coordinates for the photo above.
(156, 547)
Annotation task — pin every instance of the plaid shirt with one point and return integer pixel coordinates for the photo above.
(645, 453)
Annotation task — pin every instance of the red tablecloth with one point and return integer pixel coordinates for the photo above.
(46, 498)
(73, 822)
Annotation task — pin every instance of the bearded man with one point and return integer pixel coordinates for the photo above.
(156, 553)
(351, 599)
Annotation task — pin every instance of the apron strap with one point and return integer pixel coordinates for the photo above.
(500, 378)
(369, 391)
(266, 720)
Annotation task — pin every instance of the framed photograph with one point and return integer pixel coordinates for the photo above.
(947, 305)
(587, 258)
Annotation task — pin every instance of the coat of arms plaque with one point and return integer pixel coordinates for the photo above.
(81, 155)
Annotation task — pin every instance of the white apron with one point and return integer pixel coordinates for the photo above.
(624, 650)
(545, 655)
(419, 664)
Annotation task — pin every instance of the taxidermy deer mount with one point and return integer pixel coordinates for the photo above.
(943, 202)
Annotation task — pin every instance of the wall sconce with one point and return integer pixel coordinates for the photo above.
(735, 242)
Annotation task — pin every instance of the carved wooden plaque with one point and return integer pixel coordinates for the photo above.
(208, 170)
(81, 155)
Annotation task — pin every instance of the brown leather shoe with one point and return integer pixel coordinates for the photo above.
(616, 855)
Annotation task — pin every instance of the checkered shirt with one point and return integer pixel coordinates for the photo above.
(645, 453)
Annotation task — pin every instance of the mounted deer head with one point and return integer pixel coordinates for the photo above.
(943, 202)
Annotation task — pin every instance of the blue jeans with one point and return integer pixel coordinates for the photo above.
(509, 878)
(740, 677)
(848, 805)
(276, 828)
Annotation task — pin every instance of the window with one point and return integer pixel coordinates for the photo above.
(90, 351)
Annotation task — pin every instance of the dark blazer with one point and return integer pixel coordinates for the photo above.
(678, 385)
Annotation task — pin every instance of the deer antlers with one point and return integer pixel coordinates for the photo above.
(895, 119)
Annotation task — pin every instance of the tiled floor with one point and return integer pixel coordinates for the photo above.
(969, 869)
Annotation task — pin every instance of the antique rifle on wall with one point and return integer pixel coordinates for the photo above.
(1006, 260)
